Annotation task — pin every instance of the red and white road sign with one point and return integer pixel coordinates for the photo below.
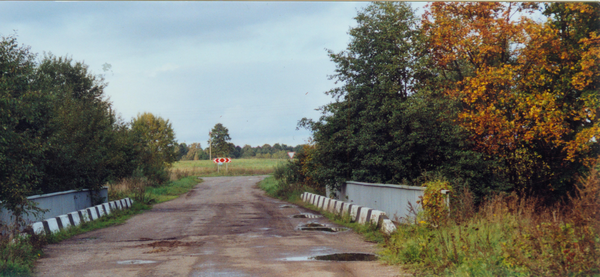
(291, 154)
(222, 160)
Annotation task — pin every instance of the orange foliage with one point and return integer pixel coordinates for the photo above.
(521, 82)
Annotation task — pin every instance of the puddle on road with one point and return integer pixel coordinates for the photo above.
(311, 226)
(136, 262)
(347, 257)
(305, 216)
(287, 206)
(338, 257)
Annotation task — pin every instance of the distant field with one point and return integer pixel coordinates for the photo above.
(236, 167)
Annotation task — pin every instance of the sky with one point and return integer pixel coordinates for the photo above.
(256, 67)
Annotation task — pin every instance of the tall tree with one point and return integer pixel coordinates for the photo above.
(220, 141)
(23, 117)
(84, 150)
(382, 128)
(528, 90)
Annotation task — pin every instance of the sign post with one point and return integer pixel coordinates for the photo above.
(220, 161)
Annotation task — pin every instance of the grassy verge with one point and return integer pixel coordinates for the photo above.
(17, 257)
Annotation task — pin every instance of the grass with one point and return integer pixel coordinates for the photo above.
(506, 236)
(237, 167)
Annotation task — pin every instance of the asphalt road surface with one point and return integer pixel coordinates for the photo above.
(225, 226)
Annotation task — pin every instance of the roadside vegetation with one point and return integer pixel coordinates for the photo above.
(482, 100)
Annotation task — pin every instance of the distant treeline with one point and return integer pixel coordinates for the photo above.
(194, 151)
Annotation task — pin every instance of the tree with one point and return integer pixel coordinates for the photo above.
(528, 90)
(389, 123)
(155, 145)
(182, 150)
(220, 141)
(84, 147)
(23, 116)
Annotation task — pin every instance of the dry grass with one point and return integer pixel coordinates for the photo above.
(507, 236)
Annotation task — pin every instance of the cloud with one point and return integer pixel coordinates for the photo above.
(245, 64)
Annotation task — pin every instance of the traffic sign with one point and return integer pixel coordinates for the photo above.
(291, 154)
(222, 160)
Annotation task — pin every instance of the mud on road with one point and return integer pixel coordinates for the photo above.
(225, 226)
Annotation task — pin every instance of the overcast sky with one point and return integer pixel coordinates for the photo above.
(255, 67)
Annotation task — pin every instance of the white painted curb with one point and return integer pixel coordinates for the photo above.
(362, 215)
(53, 225)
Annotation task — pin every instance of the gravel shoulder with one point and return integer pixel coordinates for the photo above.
(225, 226)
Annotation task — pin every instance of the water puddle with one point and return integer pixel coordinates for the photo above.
(305, 216)
(136, 262)
(347, 257)
(338, 257)
(287, 206)
(311, 225)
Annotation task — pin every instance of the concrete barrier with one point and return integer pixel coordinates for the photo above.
(84, 215)
(74, 218)
(63, 221)
(360, 214)
(53, 225)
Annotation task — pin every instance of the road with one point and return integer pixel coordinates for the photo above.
(225, 226)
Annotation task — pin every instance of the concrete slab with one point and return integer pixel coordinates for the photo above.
(363, 217)
(92, 213)
(375, 215)
(354, 212)
(38, 227)
(106, 208)
(388, 226)
(100, 210)
(64, 221)
(75, 219)
(51, 225)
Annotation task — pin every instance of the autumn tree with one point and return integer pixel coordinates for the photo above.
(528, 90)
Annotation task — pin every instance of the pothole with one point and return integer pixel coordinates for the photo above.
(311, 226)
(306, 216)
(347, 257)
(136, 262)
(323, 229)
(287, 206)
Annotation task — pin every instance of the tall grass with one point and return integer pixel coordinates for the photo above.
(507, 236)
